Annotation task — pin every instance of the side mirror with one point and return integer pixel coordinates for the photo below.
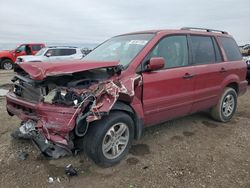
(18, 51)
(48, 54)
(156, 63)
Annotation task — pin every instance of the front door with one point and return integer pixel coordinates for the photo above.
(20, 51)
(168, 93)
(53, 55)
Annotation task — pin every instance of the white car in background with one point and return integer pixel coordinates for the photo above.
(53, 53)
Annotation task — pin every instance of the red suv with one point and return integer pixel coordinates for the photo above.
(132, 81)
(8, 57)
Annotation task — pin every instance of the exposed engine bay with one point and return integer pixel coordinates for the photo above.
(60, 108)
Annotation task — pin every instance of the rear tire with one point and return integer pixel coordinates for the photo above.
(226, 106)
(7, 64)
(108, 140)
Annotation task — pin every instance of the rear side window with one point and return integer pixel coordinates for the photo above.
(64, 52)
(61, 52)
(231, 49)
(202, 50)
(36, 47)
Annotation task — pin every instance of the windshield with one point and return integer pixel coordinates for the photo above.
(40, 52)
(121, 48)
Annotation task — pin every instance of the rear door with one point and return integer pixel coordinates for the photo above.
(68, 53)
(168, 93)
(209, 71)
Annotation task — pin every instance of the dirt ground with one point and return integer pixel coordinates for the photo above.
(192, 151)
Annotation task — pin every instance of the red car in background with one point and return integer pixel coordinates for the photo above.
(8, 57)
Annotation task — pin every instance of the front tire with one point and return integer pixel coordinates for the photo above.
(108, 140)
(226, 106)
(7, 64)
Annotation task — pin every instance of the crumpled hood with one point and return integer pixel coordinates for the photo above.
(39, 71)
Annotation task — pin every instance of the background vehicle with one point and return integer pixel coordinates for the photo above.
(8, 57)
(245, 50)
(53, 53)
(86, 51)
(129, 82)
(247, 59)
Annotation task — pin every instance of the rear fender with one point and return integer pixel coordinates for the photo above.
(233, 78)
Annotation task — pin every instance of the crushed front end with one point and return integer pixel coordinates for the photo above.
(48, 125)
(57, 109)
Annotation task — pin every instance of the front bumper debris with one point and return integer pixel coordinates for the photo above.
(28, 130)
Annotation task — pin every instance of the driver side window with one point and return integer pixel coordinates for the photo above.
(52, 52)
(173, 49)
(21, 48)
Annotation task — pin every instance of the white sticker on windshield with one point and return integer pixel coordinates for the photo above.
(138, 42)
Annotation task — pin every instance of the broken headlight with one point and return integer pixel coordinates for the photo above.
(62, 96)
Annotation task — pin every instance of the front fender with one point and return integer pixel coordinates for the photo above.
(7, 55)
(121, 106)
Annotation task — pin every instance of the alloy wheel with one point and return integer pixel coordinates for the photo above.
(115, 140)
(228, 105)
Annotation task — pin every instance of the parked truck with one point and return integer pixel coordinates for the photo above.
(8, 57)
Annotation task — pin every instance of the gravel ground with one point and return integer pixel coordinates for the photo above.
(192, 151)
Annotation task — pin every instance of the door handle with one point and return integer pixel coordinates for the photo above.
(222, 70)
(188, 76)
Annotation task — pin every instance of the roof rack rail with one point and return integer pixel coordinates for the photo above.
(204, 29)
(62, 46)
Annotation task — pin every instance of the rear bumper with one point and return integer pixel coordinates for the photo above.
(243, 87)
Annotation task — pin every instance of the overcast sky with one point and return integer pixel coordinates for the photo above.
(93, 21)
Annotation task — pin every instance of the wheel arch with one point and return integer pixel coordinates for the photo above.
(138, 122)
(5, 58)
(234, 85)
(231, 81)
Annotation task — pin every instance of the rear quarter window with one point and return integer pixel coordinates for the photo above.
(231, 49)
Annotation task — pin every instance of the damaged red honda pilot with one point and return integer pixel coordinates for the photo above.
(131, 81)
